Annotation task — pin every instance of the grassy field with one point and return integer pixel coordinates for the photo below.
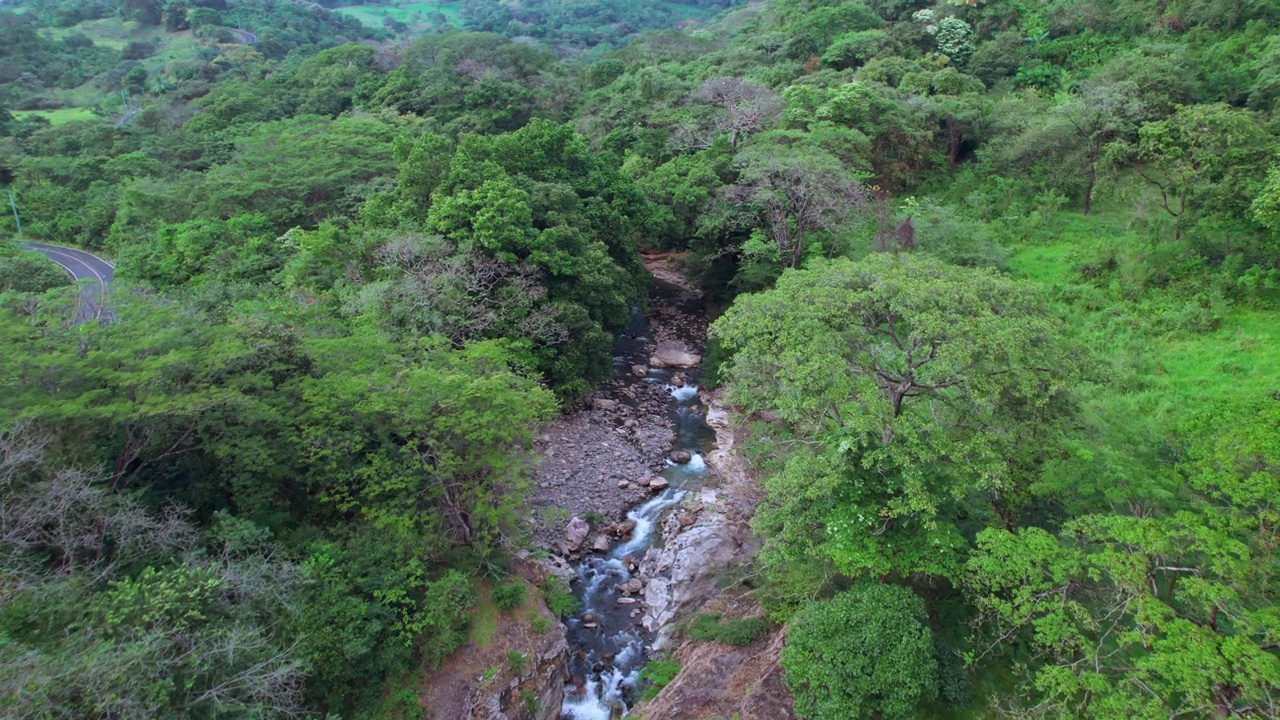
(412, 14)
(58, 117)
(112, 33)
(173, 50)
(1175, 371)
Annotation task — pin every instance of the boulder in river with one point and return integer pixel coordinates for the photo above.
(639, 370)
(680, 457)
(658, 484)
(601, 544)
(625, 528)
(678, 380)
(674, 357)
(576, 534)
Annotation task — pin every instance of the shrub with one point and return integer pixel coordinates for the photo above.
(516, 660)
(558, 598)
(659, 673)
(865, 653)
(737, 631)
(508, 597)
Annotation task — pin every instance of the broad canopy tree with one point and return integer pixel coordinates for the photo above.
(928, 390)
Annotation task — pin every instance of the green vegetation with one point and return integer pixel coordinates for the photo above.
(56, 117)
(509, 597)
(28, 272)
(995, 284)
(734, 631)
(866, 652)
(409, 15)
(659, 674)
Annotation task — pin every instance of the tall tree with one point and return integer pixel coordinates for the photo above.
(791, 194)
(929, 391)
(1100, 111)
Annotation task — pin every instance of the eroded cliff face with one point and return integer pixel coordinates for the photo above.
(480, 681)
(702, 541)
(723, 681)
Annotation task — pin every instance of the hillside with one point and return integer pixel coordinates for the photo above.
(984, 295)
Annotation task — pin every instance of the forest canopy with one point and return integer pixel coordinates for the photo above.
(993, 290)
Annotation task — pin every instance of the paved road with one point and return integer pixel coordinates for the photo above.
(244, 36)
(82, 266)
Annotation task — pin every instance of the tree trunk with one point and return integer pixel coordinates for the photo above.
(1093, 178)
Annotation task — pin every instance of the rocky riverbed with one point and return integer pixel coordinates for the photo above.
(602, 459)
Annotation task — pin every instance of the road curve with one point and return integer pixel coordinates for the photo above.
(82, 266)
(244, 36)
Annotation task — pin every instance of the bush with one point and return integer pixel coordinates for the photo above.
(516, 660)
(508, 597)
(865, 653)
(558, 599)
(737, 631)
(659, 673)
(22, 271)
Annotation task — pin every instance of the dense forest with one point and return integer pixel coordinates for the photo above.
(995, 291)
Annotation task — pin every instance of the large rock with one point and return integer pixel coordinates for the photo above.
(680, 457)
(673, 356)
(604, 404)
(720, 681)
(601, 544)
(576, 534)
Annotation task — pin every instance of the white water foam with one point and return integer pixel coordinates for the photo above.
(644, 518)
(601, 698)
(683, 394)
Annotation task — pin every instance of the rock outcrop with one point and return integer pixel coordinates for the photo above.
(720, 681)
(708, 535)
(673, 355)
(479, 681)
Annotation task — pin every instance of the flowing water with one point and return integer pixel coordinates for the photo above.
(607, 642)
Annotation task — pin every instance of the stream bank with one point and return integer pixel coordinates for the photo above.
(640, 503)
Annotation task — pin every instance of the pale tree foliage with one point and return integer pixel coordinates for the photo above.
(791, 194)
(82, 637)
(1100, 111)
(461, 296)
(744, 107)
(69, 523)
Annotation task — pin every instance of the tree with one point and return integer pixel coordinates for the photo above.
(928, 390)
(145, 12)
(1266, 206)
(1099, 112)
(1205, 156)
(792, 193)
(1152, 614)
(955, 40)
(428, 444)
(745, 106)
(90, 627)
(866, 653)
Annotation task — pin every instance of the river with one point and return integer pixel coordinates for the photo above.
(607, 643)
